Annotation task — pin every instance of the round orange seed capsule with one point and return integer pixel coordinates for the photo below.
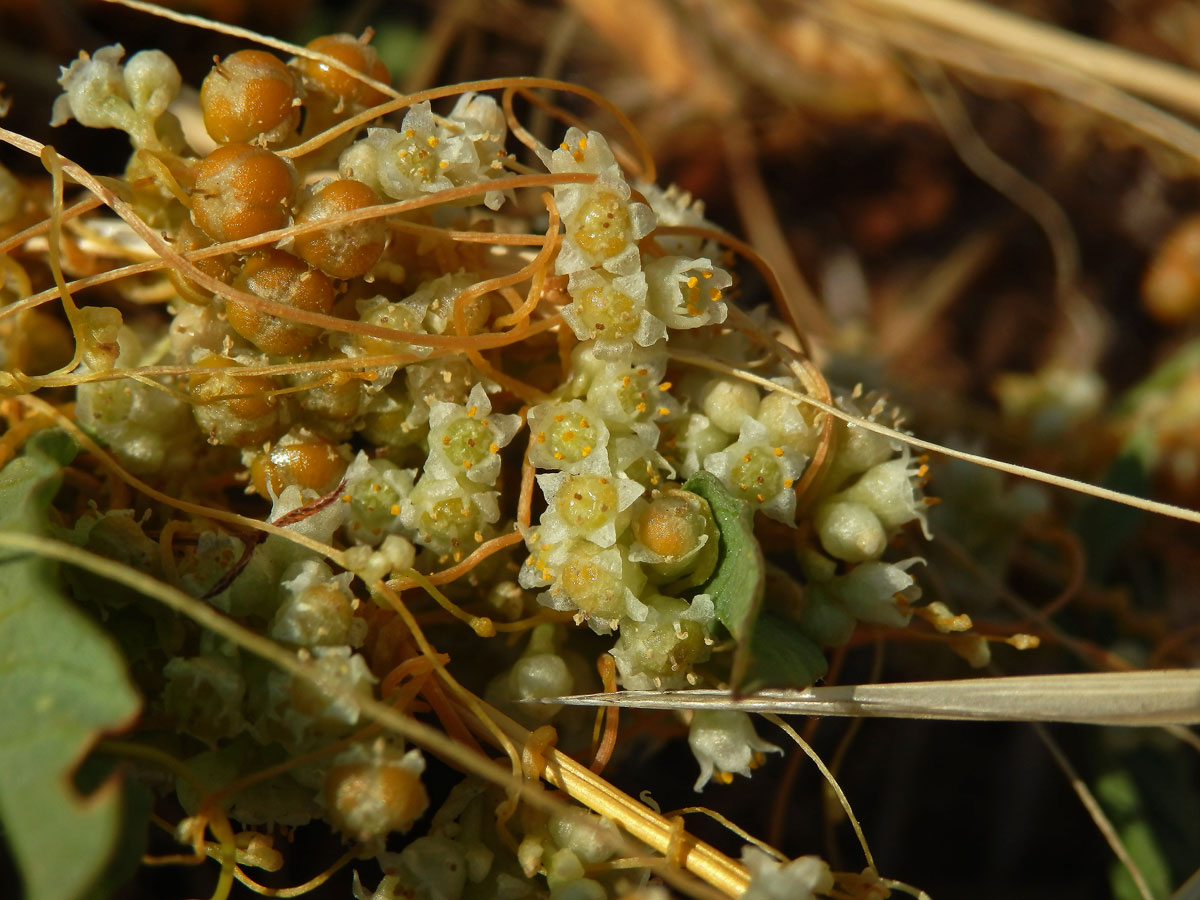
(670, 526)
(247, 94)
(367, 800)
(343, 251)
(235, 410)
(281, 278)
(356, 54)
(189, 237)
(312, 463)
(242, 191)
(1171, 284)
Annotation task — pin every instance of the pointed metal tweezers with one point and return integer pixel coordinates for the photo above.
(1163, 697)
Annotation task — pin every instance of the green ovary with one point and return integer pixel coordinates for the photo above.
(756, 476)
(467, 443)
(607, 311)
(590, 586)
(572, 439)
(602, 225)
(586, 502)
(454, 519)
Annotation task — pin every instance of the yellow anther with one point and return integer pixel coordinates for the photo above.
(471, 412)
(585, 451)
(706, 274)
(746, 458)
(558, 455)
(345, 498)
(559, 417)
(778, 451)
(693, 281)
(466, 464)
(665, 386)
(408, 132)
(541, 437)
(432, 141)
(664, 411)
(446, 440)
(395, 509)
(787, 482)
(493, 447)
(444, 164)
(568, 435)
(583, 143)
(641, 407)
(714, 295)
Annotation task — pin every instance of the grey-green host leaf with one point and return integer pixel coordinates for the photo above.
(62, 684)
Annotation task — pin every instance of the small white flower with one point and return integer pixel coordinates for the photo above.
(800, 879)
(438, 296)
(762, 475)
(629, 394)
(101, 93)
(375, 489)
(590, 502)
(483, 124)
(675, 206)
(611, 310)
(725, 743)
(661, 651)
(449, 517)
(870, 590)
(425, 155)
(465, 439)
(317, 608)
(564, 433)
(888, 490)
(600, 583)
(406, 315)
(687, 293)
(602, 225)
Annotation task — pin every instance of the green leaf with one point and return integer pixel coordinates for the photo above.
(781, 655)
(1119, 792)
(736, 586)
(62, 684)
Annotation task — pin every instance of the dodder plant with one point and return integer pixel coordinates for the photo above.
(379, 432)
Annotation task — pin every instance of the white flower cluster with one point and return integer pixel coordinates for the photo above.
(619, 297)
(454, 503)
(428, 154)
(100, 92)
